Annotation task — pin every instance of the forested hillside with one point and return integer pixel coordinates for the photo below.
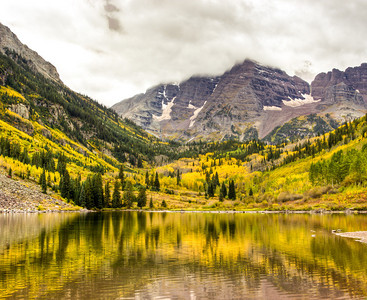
(53, 105)
(59, 138)
(80, 151)
(326, 172)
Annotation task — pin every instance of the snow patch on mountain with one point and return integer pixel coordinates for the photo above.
(214, 88)
(166, 111)
(190, 106)
(194, 116)
(299, 102)
(272, 108)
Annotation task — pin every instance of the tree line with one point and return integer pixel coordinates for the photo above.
(342, 168)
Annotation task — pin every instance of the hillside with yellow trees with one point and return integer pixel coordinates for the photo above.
(324, 173)
(76, 150)
(62, 140)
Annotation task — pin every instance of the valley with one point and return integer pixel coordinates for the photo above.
(253, 138)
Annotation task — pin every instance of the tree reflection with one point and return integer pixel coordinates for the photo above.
(126, 251)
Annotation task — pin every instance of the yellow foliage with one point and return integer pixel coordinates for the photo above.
(11, 92)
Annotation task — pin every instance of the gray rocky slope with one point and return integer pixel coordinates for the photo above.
(26, 196)
(248, 101)
(9, 41)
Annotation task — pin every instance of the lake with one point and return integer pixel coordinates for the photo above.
(143, 255)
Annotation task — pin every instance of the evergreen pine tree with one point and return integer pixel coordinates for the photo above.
(178, 179)
(221, 197)
(216, 179)
(43, 182)
(151, 205)
(156, 182)
(234, 191)
(231, 191)
(61, 164)
(211, 189)
(107, 194)
(128, 196)
(142, 198)
(65, 185)
(122, 177)
(89, 196)
(223, 192)
(82, 197)
(147, 181)
(48, 180)
(207, 177)
(357, 168)
(116, 197)
(98, 191)
(78, 188)
(312, 174)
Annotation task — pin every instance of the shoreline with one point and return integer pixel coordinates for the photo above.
(252, 211)
(32, 211)
(311, 212)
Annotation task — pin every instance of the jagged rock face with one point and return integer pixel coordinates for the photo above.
(243, 96)
(354, 79)
(20, 109)
(214, 107)
(343, 93)
(8, 40)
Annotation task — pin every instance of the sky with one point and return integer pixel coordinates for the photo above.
(113, 49)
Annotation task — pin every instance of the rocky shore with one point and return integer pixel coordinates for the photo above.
(26, 196)
(360, 236)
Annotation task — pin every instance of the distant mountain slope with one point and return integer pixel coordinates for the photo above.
(353, 81)
(248, 101)
(342, 97)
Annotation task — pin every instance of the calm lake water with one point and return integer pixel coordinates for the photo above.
(134, 255)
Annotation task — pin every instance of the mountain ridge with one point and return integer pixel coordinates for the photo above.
(248, 101)
(10, 42)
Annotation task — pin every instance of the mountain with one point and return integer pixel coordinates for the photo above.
(33, 96)
(57, 142)
(352, 83)
(10, 42)
(248, 101)
(54, 136)
(341, 96)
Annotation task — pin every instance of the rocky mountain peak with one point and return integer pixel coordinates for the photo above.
(9, 41)
(353, 77)
(248, 101)
(215, 106)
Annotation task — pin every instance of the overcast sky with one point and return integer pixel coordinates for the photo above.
(114, 49)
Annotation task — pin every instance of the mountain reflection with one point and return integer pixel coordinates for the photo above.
(180, 255)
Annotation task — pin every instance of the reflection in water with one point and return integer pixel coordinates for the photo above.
(181, 256)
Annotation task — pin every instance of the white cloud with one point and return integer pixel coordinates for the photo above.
(113, 49)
